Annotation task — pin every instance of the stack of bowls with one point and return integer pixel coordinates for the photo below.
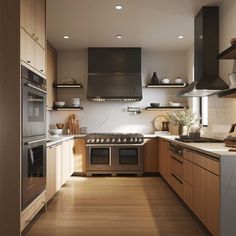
(75, 102)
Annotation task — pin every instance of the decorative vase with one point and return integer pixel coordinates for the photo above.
(183, 130)
(154, 79)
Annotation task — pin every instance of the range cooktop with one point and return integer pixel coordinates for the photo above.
(200, 140)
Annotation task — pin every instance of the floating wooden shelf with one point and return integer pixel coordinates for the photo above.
(164, 108)
(229, 53)
(228, 93)
(67, 108)
(68, 85)
(171, 85)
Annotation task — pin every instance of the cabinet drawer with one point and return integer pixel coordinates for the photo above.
(206, 162)
(176, 165)
(176, 183)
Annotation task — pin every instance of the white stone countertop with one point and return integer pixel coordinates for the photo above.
(55, 140)
(214, 149)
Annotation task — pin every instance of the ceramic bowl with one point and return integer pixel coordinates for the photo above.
(55, 132)
(178, 80)
(154, 104)
(175, 104)
(60, 103)
(165, 81)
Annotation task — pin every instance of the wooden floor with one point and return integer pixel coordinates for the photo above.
(116, 206)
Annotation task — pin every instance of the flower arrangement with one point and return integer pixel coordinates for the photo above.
(182, 117)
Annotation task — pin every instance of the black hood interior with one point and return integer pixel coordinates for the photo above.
(114, 74)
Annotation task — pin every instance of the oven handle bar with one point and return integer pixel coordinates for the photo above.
(35, 87)
(36, 141)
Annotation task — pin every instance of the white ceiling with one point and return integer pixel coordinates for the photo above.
(152, 24)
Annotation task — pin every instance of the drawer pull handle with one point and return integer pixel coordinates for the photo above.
(28, 61)
(177, 160)
(177, 178)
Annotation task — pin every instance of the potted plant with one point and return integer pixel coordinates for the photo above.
(183, 118)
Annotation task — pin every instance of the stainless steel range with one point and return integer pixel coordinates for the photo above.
(114, 153)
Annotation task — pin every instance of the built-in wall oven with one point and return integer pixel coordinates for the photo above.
(33, 135)
(114, 159)
(33, 103)
(33, 169)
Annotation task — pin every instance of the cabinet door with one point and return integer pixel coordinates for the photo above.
(58, 166)
(79, 155)
(27, 48)
(51, 178)
(40, 58)
(40, 26)
(27, 16)
(164, 159)
(205, 195)
(150, 156)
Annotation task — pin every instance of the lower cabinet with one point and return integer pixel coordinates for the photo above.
(150, 156)
(79, 152)
(60, 166)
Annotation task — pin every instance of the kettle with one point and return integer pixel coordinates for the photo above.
(230, 140)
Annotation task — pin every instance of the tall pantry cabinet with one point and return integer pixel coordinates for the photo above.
(17, 46)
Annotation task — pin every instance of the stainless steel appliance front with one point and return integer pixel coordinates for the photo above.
(114, 159)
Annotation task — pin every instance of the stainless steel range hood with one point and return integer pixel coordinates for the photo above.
(114, 74)
(206, 48)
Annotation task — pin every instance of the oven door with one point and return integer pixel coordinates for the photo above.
(99, 158)
(34, 107)
(33, 170)
(129, 158)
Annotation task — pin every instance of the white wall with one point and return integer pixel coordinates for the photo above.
(112, 116)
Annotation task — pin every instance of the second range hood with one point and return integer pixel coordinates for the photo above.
(114, 74)
(206, 48)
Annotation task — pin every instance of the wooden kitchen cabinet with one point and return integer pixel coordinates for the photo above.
(150, 156)
(79, 155)
(27, 48)
(51, 75)
(58, 166)
(72, 162)
(163, 158)
(66, 161)
(33, 13)
(51, 172)
(206, 198)
(40, 22)
(40, 58)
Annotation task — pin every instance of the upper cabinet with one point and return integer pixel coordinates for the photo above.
(33, 34)
(33, 19)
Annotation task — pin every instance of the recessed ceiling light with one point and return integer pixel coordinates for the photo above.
(118, 7)
(180, 37)
(119, 36)
(66, 37)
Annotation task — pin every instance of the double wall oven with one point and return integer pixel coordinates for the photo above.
(33, 135)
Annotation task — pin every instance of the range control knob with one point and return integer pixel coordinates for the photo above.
(113, 140)
(97, 140)
(102, 140)
(118, 140)
(135, 140)
(107, 140)
(92, 140)
(88, 140)
(131, 140)
(124, 140)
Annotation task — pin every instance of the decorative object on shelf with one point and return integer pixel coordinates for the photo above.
(75, 102)
(154, 79)
(69, 81)
(184, 119)
(179, 80)
(165, 80)
(134, 110)
(60, 103)
(230, 140)
(154, 104)
(83, 130)
(73, 125)
(175, 104)
(232, 80)
(158, 122)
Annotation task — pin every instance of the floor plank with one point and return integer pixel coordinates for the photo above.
(116, 206)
